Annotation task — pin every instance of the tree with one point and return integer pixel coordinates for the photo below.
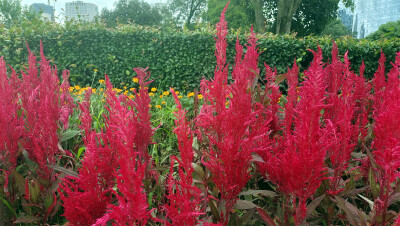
(240, 13)
(303, 17)
(135, 11)
(12, 13)
(187, 10)
(336, 29)
(389, 30)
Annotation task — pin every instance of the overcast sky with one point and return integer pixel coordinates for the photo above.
(60, 4)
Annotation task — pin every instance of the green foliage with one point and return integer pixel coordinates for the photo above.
(131, 11)
(175, 59)
(389, 30)
(239, 15)
(311, 17)
(187, 11)
(12, 13)
(336, 29)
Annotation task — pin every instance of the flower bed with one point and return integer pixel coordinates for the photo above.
(327, 152)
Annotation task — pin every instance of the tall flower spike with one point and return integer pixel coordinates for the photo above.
(387, 148)
(184, 198)
(296, 164)
(341, 135)
(233, 130)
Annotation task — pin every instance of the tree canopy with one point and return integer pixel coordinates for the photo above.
(187, 10)
(336, 29)
(132, 11)
(303, 17)
(12, 12)
(240, 13)
(389, 30)
(277, 16)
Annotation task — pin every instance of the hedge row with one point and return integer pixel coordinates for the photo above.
(175, 59)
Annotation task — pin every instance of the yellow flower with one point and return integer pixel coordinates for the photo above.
(77, 87)
(161, 96)
(131, 96)
(126, 92)
(179, 96)
(177, 92)
(149, 105)
(124, 87)
(279, 100)
(71, 89)
(151, 94)
(200, 96)
(101, 89)
(94, 90)
(158, 106)
(163, 102)
(153, 89)
(135, 80)
(95, 70)
(166, 93)
(190, 94)
(132, 89)
(101, 81)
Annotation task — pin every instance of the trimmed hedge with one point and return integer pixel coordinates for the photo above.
(175, 59)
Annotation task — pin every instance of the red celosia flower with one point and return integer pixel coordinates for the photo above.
(66, 101)
(386, 144)
(85, 198)
(231, 131)
(184, 199)
(130, 132)
(11, 122)
(341, 132)
(40, 98)
(296, 163)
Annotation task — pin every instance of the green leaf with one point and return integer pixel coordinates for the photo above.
(27, 219)
(265, 193)
(69, 134)
(244, 205)
(265, 216)
(314, 204)
(6, 203)
(80, 151)
(64, 170)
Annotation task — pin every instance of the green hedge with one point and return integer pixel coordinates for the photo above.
(177, 59)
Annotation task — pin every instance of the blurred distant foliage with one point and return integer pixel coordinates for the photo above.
(293, 16)
(132, 11)
(12, 13)
(336, 29)
(240, 13)
(311, 17)
(389, 30)
(187, 11)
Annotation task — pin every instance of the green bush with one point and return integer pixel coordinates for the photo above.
(175, 59)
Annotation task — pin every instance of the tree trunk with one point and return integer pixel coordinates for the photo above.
(286, 10)
(260, 19)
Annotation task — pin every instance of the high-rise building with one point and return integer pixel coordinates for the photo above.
(370, 14)
(346, 16)
(81, 10)
(47, 11)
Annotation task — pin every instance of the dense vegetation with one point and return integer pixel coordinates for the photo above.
(175, 59)
(326, 152)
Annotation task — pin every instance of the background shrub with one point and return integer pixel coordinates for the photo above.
(175, 59)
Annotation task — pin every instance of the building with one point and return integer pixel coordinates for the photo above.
(370, 14)
(47, 11)
(346, 16)
(80, 10)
